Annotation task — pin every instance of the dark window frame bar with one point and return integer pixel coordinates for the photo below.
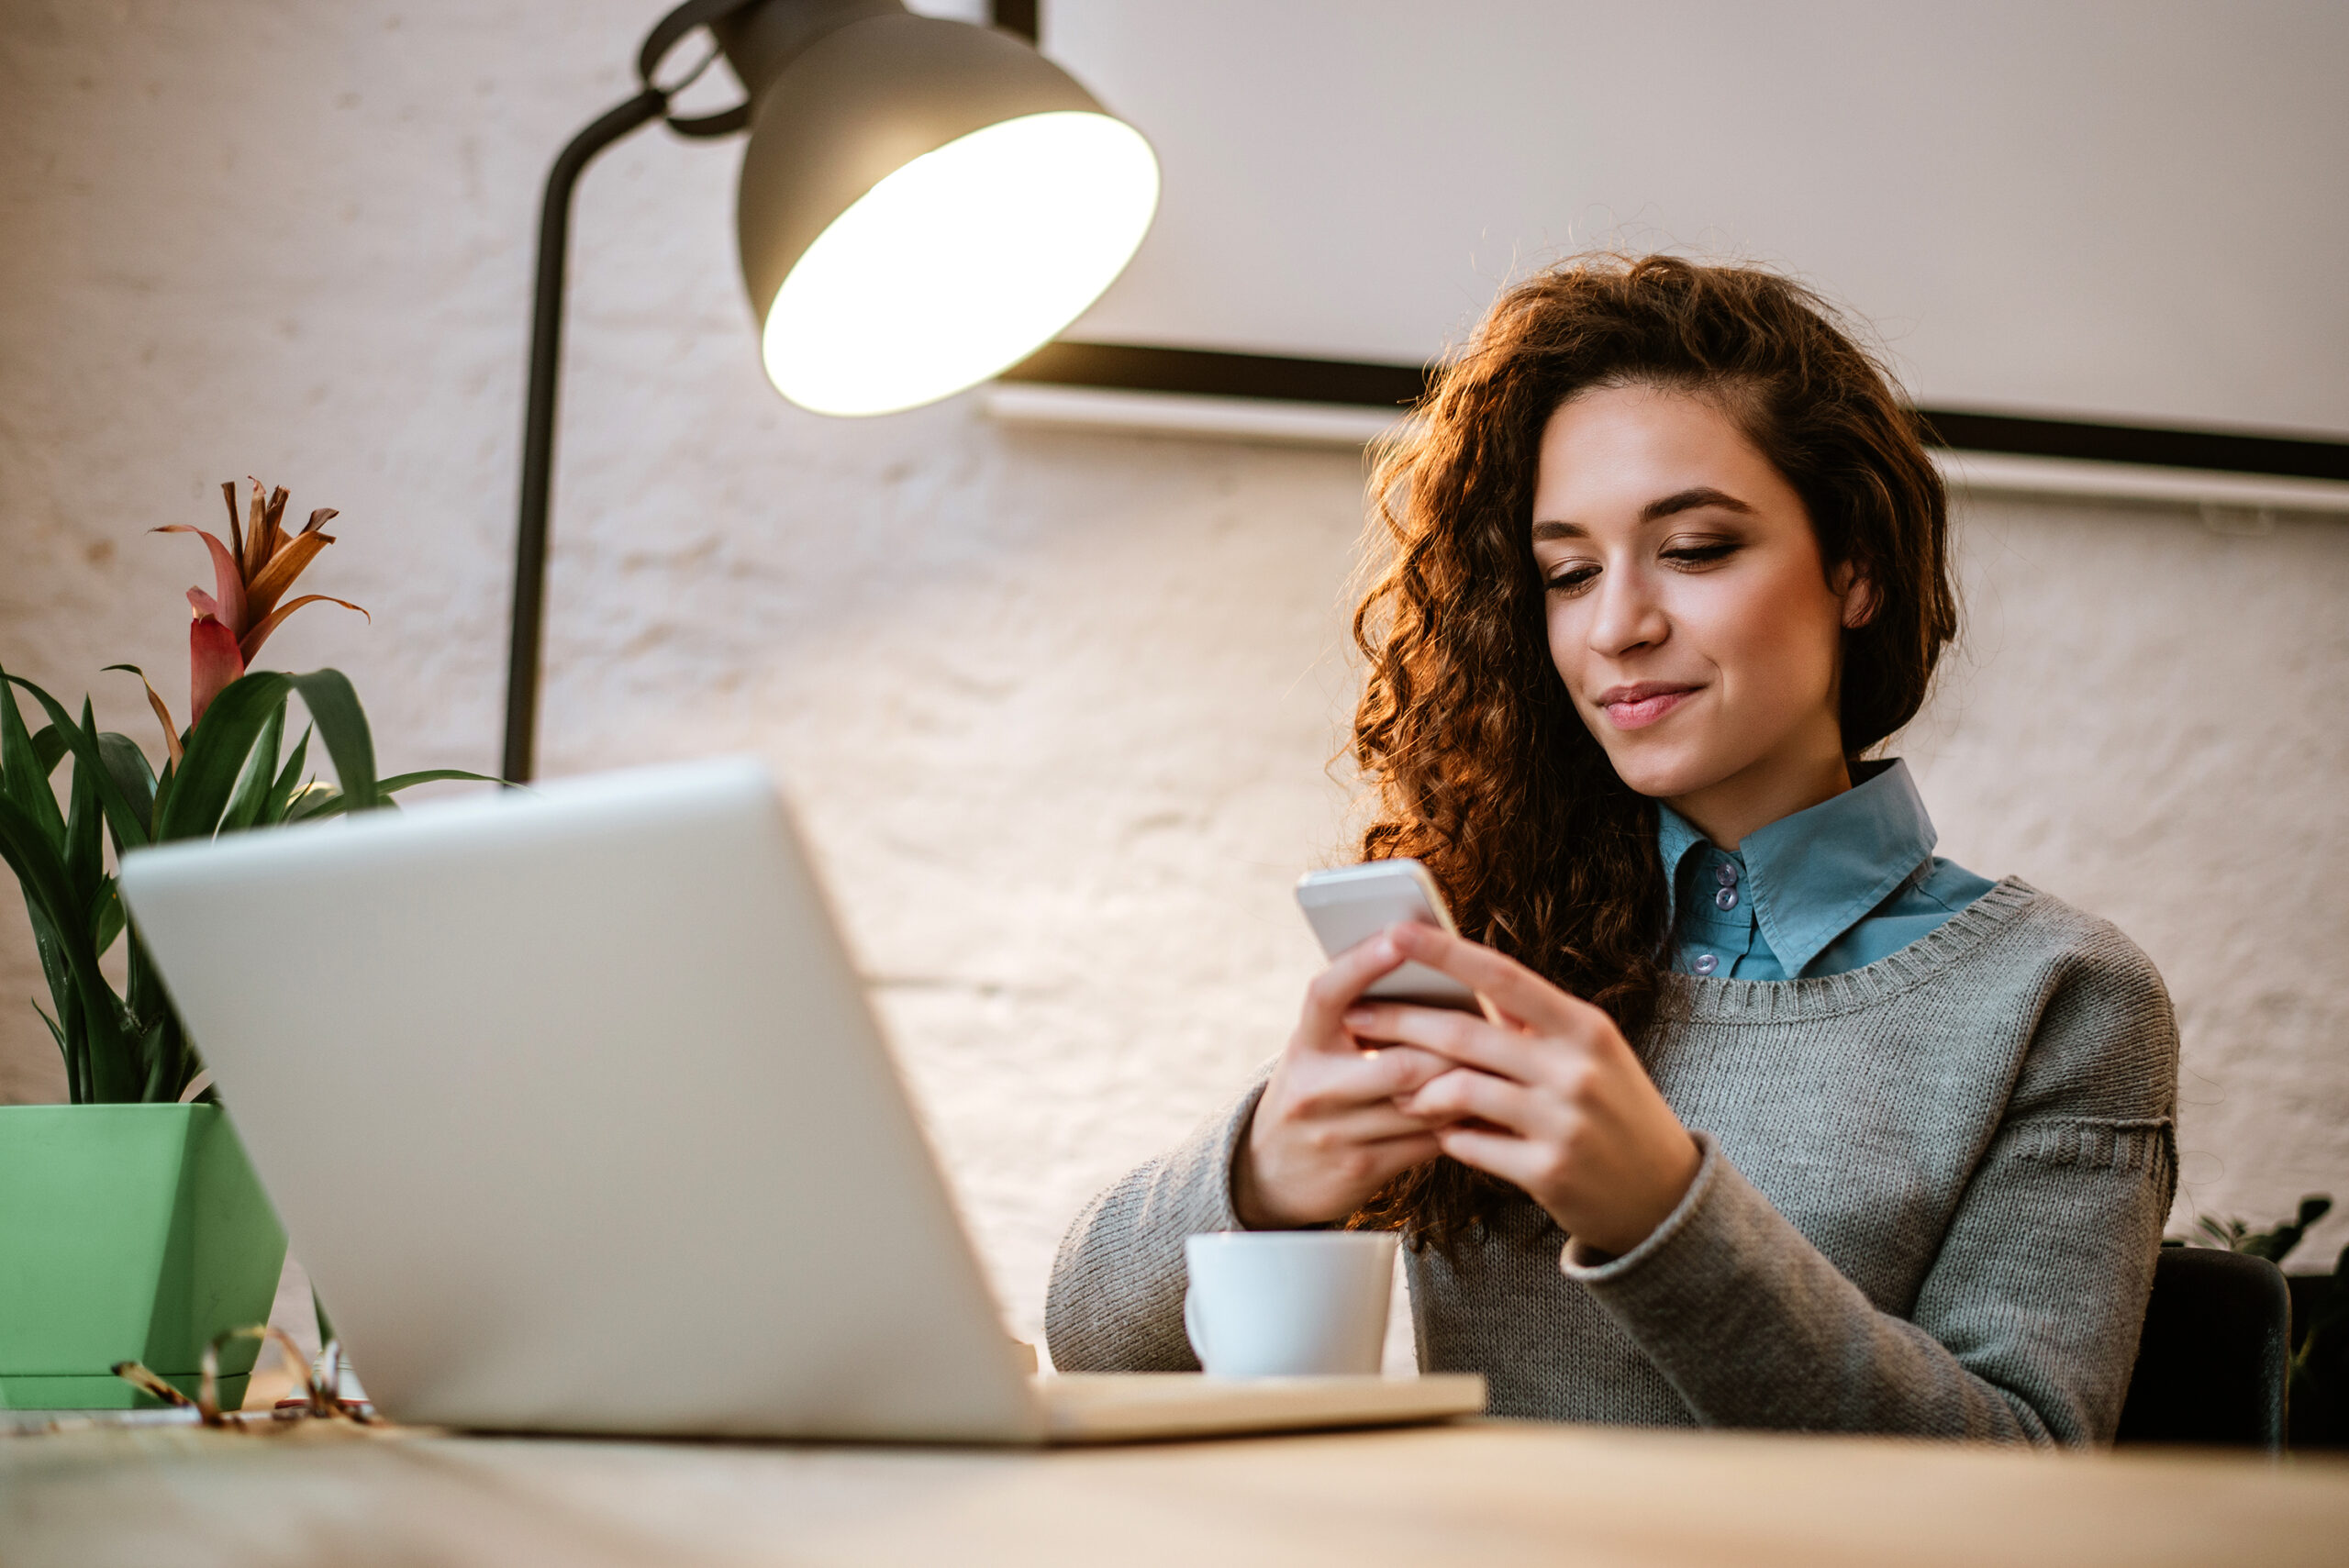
(1021, 16)
(1214, 373)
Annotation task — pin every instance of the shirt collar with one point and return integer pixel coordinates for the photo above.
(1814, 875)
(1676, 838)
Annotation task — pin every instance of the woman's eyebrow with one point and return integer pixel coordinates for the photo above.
(1689, 500)
(1663, 507)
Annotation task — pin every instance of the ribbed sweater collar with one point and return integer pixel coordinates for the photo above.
(1690, 998)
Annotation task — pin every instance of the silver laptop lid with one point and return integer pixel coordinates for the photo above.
(574, 1110)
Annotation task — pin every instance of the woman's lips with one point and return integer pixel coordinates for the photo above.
(1639, 707)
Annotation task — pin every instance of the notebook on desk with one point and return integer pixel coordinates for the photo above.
(578, 1116)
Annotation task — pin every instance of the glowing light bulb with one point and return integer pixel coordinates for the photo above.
(961, 264)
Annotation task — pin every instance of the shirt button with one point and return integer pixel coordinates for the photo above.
(1725, 899)
(1726, 874)
(1706, 964)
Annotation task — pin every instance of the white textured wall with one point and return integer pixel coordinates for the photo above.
(1056, 707)
(2040, 194)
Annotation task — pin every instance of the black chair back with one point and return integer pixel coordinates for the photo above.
(2215, 1357)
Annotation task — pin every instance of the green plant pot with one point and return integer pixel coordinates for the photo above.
(128, 1233)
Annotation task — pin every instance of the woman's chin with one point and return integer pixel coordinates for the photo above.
(1662, 772)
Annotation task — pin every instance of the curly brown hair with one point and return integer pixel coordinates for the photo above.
(1482, 768)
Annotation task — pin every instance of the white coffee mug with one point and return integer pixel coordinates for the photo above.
(1288, 1303)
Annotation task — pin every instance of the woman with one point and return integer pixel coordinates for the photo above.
(1785, 1122)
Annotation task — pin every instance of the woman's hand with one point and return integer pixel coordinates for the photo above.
(1550, 1099)
(1328, 1133)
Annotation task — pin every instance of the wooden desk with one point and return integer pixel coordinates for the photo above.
(1491, 1494)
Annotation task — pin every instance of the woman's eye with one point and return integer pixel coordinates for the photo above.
(1701, 554)
(1566, 579)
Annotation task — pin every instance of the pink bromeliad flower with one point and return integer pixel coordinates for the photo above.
(250, 577)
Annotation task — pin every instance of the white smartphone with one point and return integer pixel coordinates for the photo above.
(1352, 904)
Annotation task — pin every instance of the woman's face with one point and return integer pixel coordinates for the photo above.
(1689, 613)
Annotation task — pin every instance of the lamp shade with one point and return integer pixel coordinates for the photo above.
(923, 204)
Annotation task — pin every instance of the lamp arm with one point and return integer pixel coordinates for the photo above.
(538, 422)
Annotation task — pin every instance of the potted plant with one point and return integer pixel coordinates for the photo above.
(131, 1225)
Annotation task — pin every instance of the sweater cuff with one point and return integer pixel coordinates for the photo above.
(1215, 1209)
(1659, 1242)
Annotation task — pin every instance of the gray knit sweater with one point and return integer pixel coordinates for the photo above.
(1931, 1196)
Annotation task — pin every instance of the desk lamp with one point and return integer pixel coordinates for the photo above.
(923, 204)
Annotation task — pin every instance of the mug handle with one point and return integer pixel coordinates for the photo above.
(1192, 1328)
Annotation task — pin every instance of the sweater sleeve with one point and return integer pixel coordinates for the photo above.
(1116, 1300)
(2025, 1328)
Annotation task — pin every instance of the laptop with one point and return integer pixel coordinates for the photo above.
(573, 1107)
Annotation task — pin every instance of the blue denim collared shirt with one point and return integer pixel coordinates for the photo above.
(1825, 890)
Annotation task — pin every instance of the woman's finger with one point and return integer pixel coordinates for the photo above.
(1514, 1160)
(1463, 1037)
(1512, 987)
(1373, 1124)
(1393, 1156)
(1336, 1085)
(1336, 988)
(1464, 1093)
(1390, 1072)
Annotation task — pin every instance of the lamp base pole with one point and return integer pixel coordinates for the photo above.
(537, 422)
(522, 654)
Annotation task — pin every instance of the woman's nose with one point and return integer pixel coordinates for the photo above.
(1628, 615)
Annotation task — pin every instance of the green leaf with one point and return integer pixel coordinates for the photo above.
(215, 754)
(52, 955)
(166, 782)
(49, 746)
(245, 802)
(77, 1088)
(22, 778)
(2275, 1245)
(77, 1042)
(2223, 1234)
(125, 764)
(318, 800)
(159, 1059)
(61, 993)
(175, 1060)
(130, 828)
(49, 895)
(40, 865)
(342, 724)
(143, 991)
(111, 918)
(85, 827)
(431, 775)
(289, 779)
